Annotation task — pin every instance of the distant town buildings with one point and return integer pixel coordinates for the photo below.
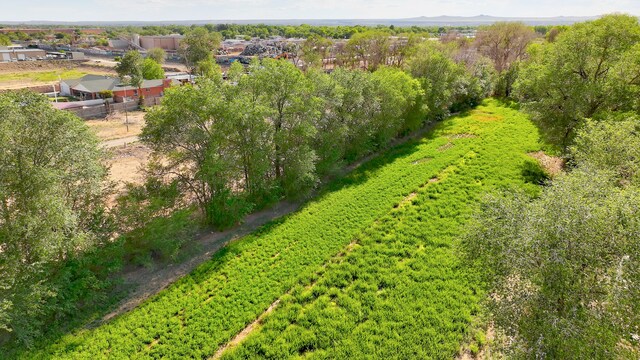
(19, 53)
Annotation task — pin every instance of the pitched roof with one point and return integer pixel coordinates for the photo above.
(92, 83)
(145, 84)
(97, 83)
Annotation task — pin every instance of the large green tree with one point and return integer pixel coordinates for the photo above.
(157, 54)
(198, 45)
(315, 50)
(51, 194)
(563, 268)
(130, 65)
(585, 73)
(442, 79)
(284, 89)
(4, 40)
(130, 69)
(354, 108)
(505, 43)
(151, 69)
(189, 130)
(612, 145)
(367, 50)
(398, 93)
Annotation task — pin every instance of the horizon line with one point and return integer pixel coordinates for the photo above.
(415, 18)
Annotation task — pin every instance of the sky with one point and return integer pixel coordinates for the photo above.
(155, 10)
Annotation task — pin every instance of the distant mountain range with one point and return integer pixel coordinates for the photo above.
(418, 21)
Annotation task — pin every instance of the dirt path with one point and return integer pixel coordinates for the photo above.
(119, 142)
(244, 333)
(149, 281)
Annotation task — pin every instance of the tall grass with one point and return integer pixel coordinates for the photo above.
(401, 289)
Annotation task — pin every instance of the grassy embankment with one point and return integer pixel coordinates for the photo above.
(368, 269)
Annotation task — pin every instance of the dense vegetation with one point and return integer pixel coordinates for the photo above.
(399, 289)
(208, 307)
(564, 265)
(223, 149)
(591, 70)
(51, 205)
(232, 161)
(378, 248)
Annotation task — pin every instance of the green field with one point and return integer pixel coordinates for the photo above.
(402, 292)
(368, 269)
(43, 76)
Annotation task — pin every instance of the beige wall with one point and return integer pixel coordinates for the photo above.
(163, 42)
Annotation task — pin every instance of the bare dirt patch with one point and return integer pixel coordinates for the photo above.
(246, 331)
(553, 165)
(114, 126)
(407, 200)
(446, 146)
(485, 116)
(421, 161)
(462, 136)
(126, 164)
(485, 352)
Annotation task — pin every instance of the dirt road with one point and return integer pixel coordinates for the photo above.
(119, 142)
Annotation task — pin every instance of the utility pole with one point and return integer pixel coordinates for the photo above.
(124, 101)
(126, 113)
(54, 88)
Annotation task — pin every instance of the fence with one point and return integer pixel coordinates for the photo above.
(152, 101)
(100, 111)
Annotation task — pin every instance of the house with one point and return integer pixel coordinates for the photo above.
(148, 89)
(89, 87)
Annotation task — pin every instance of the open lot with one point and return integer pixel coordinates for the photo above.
(127, 156)
(115, 126)
(126, 163)
(37, 73)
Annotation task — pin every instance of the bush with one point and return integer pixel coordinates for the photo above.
(226, 210)
(161, 239)
(106, 94)
(533, 173)
(557, 261)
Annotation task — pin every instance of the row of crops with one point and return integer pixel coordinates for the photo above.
(400, 290)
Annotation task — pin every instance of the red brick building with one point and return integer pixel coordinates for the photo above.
(149, 89)
(89, 87)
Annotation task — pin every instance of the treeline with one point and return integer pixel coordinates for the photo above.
(564, 266)
(221, 149)
(263, 31)
(276, 131)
